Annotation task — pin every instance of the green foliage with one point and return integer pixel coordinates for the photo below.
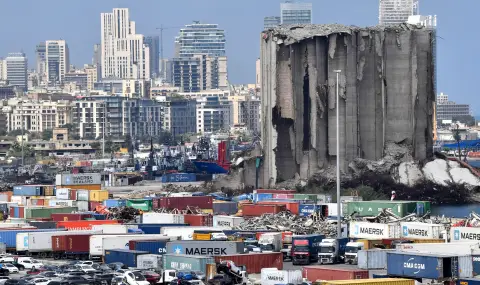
(16, 150)
(111, 147)
(47, 135)
(17, 132)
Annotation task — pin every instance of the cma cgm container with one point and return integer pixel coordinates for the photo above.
(83, 225)
(422, 265)
(374, 230)
(205, 247)
(413, 230)
(181, 203)
(140, 204)
(78, 179)
(254, 262)
(152, 246)
(71, 246)
(373, 208)
(314, 273)
(256, 210)
(179, 177)
(70, 217)
(199, 220)
(186, 262)
(151, 218)
(125, 256)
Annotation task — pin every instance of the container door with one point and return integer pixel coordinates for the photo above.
(420, 209)
(454, 263)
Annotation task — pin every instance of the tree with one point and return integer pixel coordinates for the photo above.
(457, 138)
(47, 134)
(17, 132)
(16, 150)
(111, 147)
(72, 131)
(166, 138)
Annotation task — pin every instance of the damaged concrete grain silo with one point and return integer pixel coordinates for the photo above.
(386, 96)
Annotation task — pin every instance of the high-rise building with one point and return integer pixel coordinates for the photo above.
(3, 69)
(214, 114)
(393, 12)
(57, 61)
(449, 110)
(40, 53)
(295, 13)
(153, 42)
(180, 115)
(97, 59)
(271, 22)
(124, 54)
(17, 65)
(258, 75)
(198, 38)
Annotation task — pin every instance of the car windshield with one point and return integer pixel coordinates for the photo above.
(327, 249)
(351, 249)
(138, 276)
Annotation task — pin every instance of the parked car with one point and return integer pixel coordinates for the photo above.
(6, 258)
(10, 267)
(17, 282)
(85, 268)
(104, 279)
(152, 277)
(40, 281)
(27, 263)
(3, 279)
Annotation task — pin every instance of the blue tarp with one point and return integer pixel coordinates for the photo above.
(464, 144)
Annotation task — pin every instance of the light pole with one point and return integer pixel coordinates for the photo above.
(339, 206)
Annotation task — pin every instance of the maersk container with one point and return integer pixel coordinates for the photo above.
(422, 265)
(367, 230)
(273, 276)
(372, 259)
(151, 218)
(373, 208)
(125, 256)
(205, 247)
(225, 208)
(140, 204)
(415, 230)
(150, 261)
(186, 262)
(9, 237)
(152, 246)
(463, 234)
(28, 190)
(227, 222)
(115, 203)
(78, 179)
(62, 203)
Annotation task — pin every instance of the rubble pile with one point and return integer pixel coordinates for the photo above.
(171, 188)
(286, 221)
(129, 214)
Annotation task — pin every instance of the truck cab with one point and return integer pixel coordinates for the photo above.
(270, 242)
(332, 250)
(305, 248)
(167, 276)
(351, 252)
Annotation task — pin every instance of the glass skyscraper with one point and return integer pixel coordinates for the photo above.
(271, 22)
(295, 13)
(198, 38)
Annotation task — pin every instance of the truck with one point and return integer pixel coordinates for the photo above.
(287, 247)
(332, 250)
(352, 249)
(305, 248)
(270, 242)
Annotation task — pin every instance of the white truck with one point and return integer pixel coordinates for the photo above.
(270, 242)
(351, 252)
(332, 250)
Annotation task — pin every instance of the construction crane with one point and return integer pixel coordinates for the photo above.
(162, 28)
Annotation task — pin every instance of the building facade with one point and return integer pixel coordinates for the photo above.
(295, 13)
(393, 12)
(199, 72)
(92, 76)
(79, 78)
(16, 69)
(198, 38)
(214, 114)
(449, 110)
(180, 115)
(3, 69)
(153, 43)
(41, 56)
(123, 52)
(57, 61)
(271, 22)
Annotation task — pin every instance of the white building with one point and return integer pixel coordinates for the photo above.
(214, 114)
(199, 38)
(57, 61)
(392, 12)
(442, 98)
(124, 54)
(89, 118)
(92, 73)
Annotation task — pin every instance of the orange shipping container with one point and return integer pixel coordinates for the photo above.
(83, 225)
(98, 196)
(83, 187)
(291, 206)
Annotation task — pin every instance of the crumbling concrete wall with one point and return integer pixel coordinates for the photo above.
(385, 88)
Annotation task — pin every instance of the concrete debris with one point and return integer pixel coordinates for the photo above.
(127, 214)
(286, 221)
(387, 216)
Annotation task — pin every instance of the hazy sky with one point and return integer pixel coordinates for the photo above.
(24, 23)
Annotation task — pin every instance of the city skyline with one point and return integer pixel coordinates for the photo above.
(82, 35)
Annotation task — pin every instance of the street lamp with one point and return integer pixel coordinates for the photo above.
(339, 222)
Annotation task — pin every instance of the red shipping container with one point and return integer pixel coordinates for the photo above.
(70, 217)
(83, 225)
(282, 196)
(199, 220)
(71, 243)
(37, 202)
(255, 261)
(181, 203)
(255, 210)
(156, 203)
(291, 206)
(314, 273)
(276, 191)
(93, 205)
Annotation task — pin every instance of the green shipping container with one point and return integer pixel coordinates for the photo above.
(35, 213)
(373, 208)
(186, 262)
(141, 204)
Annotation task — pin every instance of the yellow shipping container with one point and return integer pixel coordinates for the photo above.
(49, 190)
(197, 236)
(98, 195)
(428, 241)
(379, 281)
(207, 211)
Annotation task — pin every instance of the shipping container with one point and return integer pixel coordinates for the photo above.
(100, 243)
(416, 230)
(125, 256)
(374, 230)
(462, 248)
(308, 209)
(6, 196)
(468, 281)
(28, 190)
(373, 208)
(92, 205)
(83, 195)
(273, 276)
(140, 204)
(332, 210)
(115, 203)
(227, 222)
(98, 195)
(256, 210)
(66, 194)
(377, 281)
(83, 225)
(35, 213)
(463, 234)
(17, 211)
(84, 206)
(283, 196)
(114, 228)
(274, 191)
(70, 245)
(62, 203)
(49, 190)
(257, 197)
(151, 218)
(179, 177)
(150, 261)
(205, 247)
(225, 208)
(43, 225)
(37, 202)
(422, 265)
(78, 179)
(181, 203)
(184, 233)
(313, 198)
(186, 262)
(83, 187)
(154, 228)
(314, 273)
(152, 246)
(254, 262)
(291, 206)
(199, 220)
(19, 200)
(9, 237)
(372, 259)
(36, 242)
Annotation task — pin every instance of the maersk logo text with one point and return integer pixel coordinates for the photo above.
(414, 232)
(371, 231)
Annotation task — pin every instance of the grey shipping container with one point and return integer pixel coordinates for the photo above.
(205, 247)
(226, 208)
(3, 247)
(372, 259)
(186, 262)
(149, 261)
(78, 179)
(465, 266)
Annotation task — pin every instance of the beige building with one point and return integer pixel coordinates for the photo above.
(92, 76)
(246, 111)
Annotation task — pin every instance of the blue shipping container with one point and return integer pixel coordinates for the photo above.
(476, 265)
(28, 190)
(257, 197)
(125, 256)
(179, 177)
(307, 209)
(151, 246)
(9, 237)
(99, 216)
(421, 265)
(115, 203)
(471, 281)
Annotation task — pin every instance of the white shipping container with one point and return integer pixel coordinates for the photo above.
(374, 230)
(82, 206)
(185, 233)
(20, 200)
(155, 218)
(113, 229)
(4, 197)
(415, 230)
(100, 243)
(21, 241)
(465, 266)
(63, 193)
(149, 261)
(463, 234)
(273, 276)
(42, 241)
(373, 258)
(83, 195)
(63, 203)
(227, 222)
(460, 248)
(332, 209)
